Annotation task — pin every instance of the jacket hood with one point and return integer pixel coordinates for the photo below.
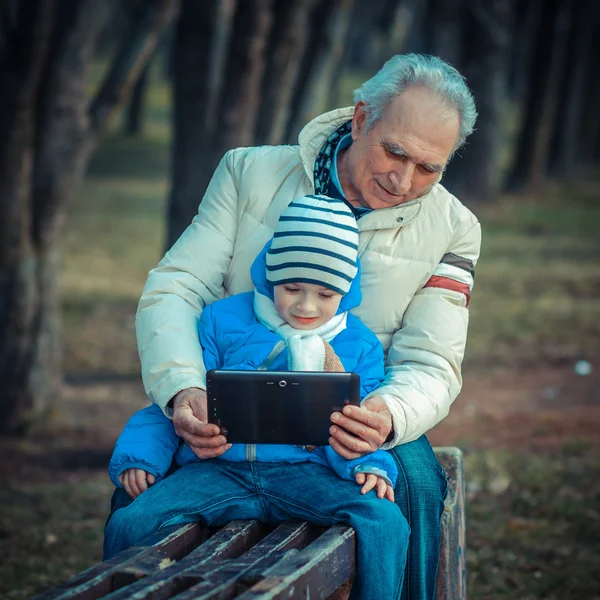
(258, 272)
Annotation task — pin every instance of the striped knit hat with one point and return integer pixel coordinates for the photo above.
(315, 241)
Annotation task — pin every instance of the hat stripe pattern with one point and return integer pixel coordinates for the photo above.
(316, 251)
(309, 220)
(315, 241)
(324, 236)
(321, 208)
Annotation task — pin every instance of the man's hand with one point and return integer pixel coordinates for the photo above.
(371, 481)
(191, 423)
(366, 428)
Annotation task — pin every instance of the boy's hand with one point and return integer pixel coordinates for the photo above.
(136, 481)
(190, 419)
(371, 481)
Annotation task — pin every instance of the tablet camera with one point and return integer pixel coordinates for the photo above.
(282, 383)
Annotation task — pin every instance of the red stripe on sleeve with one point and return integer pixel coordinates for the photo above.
(449, 284)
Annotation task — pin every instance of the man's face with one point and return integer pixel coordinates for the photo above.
(305, 305)
(403, 154)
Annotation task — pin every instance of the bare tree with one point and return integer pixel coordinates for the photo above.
(199, 53)
(541, 101)
(286, 46)
(48, 130)
(475, 174)
(134, 116)
(577, 69)
(328, 28)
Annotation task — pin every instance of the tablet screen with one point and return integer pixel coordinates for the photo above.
(278, 407)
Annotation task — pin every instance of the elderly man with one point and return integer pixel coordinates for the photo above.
(418, 246)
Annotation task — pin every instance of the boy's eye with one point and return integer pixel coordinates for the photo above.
(326, 296)
(290, 290)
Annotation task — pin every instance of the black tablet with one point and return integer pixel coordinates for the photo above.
(278, 407)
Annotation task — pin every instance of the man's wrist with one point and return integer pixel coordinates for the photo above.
(179, 394)
(390, 437)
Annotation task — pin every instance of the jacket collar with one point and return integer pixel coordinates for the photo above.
(311, 140)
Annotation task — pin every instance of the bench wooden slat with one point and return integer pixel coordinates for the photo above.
(315, 572)
(232, 576)
(452, 569)
(161, 548)
(229, 542)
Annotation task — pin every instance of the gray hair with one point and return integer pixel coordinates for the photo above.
(405, 70)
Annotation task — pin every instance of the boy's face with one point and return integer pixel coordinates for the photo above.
(306, 305)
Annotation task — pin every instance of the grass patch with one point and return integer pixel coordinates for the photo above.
(533, 524)
(535, 298)
(49, 532)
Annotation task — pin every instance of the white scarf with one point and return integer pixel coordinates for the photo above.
(306, 348)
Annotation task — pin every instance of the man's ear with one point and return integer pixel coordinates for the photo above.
(359, 119)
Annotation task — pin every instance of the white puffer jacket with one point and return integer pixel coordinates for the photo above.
(417, 271)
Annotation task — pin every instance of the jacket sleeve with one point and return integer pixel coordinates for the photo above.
(423, 370)
(189, 277)
(147, 442)
(208, 340)
(380, 462)
(370, 367)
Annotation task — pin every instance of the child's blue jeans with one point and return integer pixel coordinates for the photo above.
(215, 492)
(420, 492)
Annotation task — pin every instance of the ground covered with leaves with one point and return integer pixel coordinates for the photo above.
(528, 419)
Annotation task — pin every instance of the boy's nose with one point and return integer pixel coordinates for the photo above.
(306, 305)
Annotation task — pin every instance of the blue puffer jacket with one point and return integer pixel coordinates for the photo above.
(232, 338)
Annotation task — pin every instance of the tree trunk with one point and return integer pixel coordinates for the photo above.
(533, 142)
(198, 61)
(329, 24)
(474, 174)
(589, 127)
(577, 69)
(445, 26)
(201, 142)
(134, 117)
(527, 18)
(287, 44)
(240, 97)
(45, 148)
(25, 37)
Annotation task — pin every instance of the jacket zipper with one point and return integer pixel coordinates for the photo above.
(275, 352)
(250, 452)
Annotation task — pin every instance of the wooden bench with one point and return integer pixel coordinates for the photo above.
(248, 560)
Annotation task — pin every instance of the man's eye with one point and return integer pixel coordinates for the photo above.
(427, 170)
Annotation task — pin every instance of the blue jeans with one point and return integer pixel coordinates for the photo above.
(420, 493)
(215, 492)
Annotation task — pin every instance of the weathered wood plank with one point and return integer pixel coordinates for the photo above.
(231, 577)
(230, 542)
(153, 553)
(315, 572)
(452, 569)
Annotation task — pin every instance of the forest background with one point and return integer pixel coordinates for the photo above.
(114, 114)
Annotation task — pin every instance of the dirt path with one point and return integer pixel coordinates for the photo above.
(530, 409)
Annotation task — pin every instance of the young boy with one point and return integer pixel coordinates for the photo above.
(306, 280)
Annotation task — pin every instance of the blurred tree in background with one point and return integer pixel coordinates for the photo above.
(246, 72)
(49, 126)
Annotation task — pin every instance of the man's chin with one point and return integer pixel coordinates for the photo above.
(390, 201)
